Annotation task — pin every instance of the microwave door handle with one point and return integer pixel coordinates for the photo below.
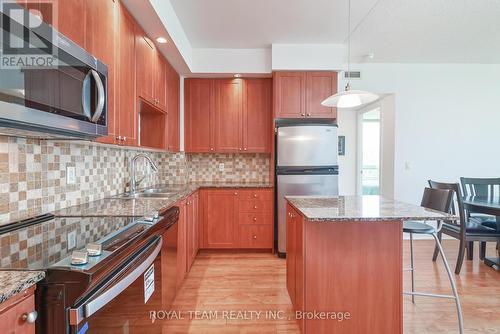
(86, 96)
(100, 97)
(76, 315)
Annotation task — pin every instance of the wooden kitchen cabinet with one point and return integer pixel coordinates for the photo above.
(199, 115)
(220, 212)
(228, 115)
(182, 243)
(127, 112)
(319, 86)
(145, 66)
(192, 228)
(238, 218)
(160, 81)
(295, 259)
(173, 109)
(257, 115)
(13, 311)
(299, 94)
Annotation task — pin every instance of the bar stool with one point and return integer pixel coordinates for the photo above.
(439, 200)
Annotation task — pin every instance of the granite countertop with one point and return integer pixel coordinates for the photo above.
(13, 281)
(140, 207)
(360, 208)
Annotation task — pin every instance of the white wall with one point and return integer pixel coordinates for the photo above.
(447, 122)
(308, 56)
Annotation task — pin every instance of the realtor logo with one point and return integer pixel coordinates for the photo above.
(27, 41)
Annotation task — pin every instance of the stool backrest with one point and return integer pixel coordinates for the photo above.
(484, 187)
(457, 204)
(437, 199)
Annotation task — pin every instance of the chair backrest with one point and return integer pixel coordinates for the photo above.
(457, 204)
(485, 187)
(437, 199)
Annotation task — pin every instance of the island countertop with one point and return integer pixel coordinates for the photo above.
(360, 208)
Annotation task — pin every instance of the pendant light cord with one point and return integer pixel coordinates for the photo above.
(348, 86)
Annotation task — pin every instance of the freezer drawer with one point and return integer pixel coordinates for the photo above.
(300, 185)
(307, 146)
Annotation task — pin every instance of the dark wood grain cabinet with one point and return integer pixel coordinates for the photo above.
(237, 218)
(15, 317)
(173, 109)
(199, 115)
(299, 94)
(228, 115)
(192, 227)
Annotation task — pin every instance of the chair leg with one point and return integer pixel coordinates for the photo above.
(412, 269)
(470, 250)
(436, 249)
(482, 250)
(453, 285)
(460, 258)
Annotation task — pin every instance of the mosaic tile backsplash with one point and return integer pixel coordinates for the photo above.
(33, 173)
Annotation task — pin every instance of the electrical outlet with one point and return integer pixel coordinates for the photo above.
(221, 167)
(70, 175)
(71, 240)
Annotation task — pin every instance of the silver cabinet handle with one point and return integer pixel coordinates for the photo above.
(308, 115)
(101, 99)
(254, 237)
(302, 114)
(30, 317)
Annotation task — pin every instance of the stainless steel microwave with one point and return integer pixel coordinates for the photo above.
(49, 86)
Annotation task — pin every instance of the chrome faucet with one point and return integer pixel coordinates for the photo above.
(133, 164)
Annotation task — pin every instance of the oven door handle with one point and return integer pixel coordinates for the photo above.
(76, 315)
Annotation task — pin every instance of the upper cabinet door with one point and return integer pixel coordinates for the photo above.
(257, 115)
(199, 118)
(160, 76)
(319, 86)
(290, 94)
(126, 79)
(173, 96)
(101, 22)
(228, 115)
(145, 62)
(58, 13)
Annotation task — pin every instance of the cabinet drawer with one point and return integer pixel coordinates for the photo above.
(256, 218)
(256, 194)
(256, 236)
(256, 206)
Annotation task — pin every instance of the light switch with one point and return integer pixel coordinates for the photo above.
(221, 167)
(407, 165)
(71, 240)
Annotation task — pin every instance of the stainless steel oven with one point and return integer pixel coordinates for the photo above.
(62, 92)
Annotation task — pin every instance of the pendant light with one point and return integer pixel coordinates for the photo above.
(349, 98)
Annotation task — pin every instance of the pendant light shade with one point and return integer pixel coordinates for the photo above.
(349, 98)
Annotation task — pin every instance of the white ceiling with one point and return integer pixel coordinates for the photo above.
(465, 31)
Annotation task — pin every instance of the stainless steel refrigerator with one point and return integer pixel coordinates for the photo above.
(306, 164)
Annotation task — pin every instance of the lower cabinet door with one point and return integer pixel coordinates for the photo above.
(220, 217)
(256, 236)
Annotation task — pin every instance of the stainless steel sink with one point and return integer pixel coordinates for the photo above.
(149, 193)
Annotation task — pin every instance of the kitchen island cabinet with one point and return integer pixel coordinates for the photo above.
(344, 262)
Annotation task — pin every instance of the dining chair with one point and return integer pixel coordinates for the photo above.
(464, 229)
(483, 187)
(438, 200)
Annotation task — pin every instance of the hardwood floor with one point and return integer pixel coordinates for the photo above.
(225, 281)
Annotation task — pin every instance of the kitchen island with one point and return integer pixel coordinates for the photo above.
(344, 262)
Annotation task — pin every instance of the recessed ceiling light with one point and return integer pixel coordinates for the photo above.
(161, 40)
(237, 75)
